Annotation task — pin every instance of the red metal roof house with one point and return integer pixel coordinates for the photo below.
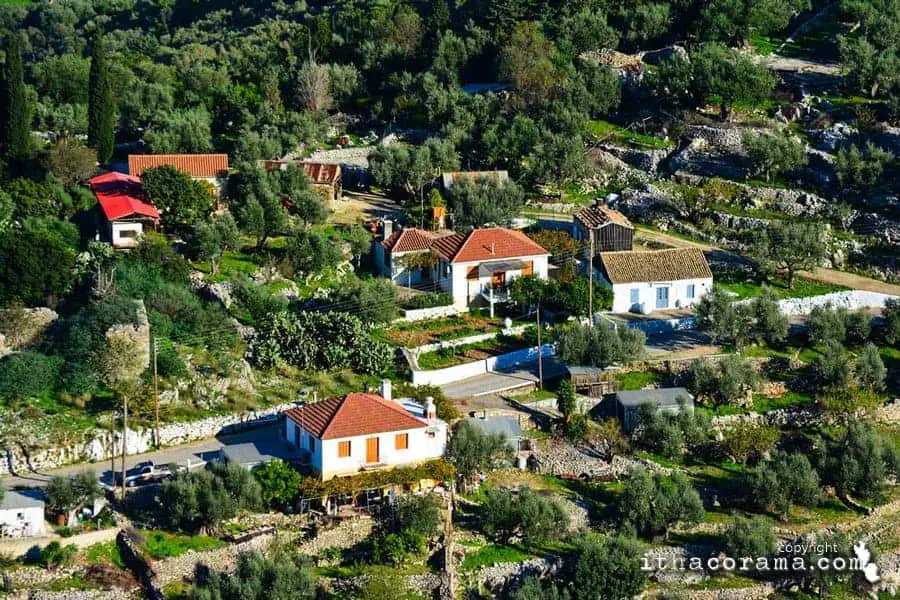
(126, 211)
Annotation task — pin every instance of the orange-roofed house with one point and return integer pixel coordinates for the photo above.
(125, 211)
(365, 431)
(478, 266)
(209, 168)
(325, 178)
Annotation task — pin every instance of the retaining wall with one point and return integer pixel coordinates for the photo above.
(98, 445)
(21, 546)
(434, 312)
(480, 367)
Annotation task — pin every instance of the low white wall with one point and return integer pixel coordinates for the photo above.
(851, 300)
(434, 312)
(480, 367)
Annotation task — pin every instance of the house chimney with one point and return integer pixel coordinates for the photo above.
(492, 248)
(387, 228)
(386, 389)
(430, 409)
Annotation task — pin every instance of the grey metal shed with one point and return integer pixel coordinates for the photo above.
(667, 399)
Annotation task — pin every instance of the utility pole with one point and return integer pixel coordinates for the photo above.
(591, 282)
(155, 391)
(124, 439)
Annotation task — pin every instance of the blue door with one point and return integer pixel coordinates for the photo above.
(662, 297)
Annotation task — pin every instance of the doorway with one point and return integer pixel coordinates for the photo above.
(372, 450)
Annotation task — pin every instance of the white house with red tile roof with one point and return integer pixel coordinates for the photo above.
(484, 261)
(125, 210)
(395, 252)
(357, 432)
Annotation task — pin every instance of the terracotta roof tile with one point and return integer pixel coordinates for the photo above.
(353, 415)
(597, 216)
(486, 244)
(658, 265)
(195, 165)
(409, 240)
(322, 172)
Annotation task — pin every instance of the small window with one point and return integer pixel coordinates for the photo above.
(401, 441)
(635, 295)
(691, 291)
(312, 443)
(343, 449)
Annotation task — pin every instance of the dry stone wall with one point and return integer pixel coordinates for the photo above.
(220, 560)
(99, 444)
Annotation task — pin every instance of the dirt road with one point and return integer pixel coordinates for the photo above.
(832, 276)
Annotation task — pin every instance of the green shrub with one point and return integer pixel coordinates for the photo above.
(28, 374)
(56, 555)
(428, 301)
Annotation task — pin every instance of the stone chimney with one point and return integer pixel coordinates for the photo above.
(430, 409)
(386, 389)
(387, 228)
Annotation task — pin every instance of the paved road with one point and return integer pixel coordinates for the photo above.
(265, 438)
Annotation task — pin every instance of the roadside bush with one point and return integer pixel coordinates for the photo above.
(527, 514)
(28, 374)
(199, 501)
(827, 324)
(600, 346)
(428, 301)
(278, 482)
(891, 328)
(56, 556)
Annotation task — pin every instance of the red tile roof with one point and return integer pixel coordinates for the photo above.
(321, 172)
(353, 415)
(486, 244)
(597, 216)
(121, 195)
(409, 240)
(195, 165)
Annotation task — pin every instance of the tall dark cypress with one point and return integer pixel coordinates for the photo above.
(101, 110)
(16, 126)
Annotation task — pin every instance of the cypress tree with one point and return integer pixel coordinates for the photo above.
(101, 110)
(16, 127)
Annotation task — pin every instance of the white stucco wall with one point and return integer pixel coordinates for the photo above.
(24, 522)
(647, 294)
(118, 233)
(424, 444)
(464, 290)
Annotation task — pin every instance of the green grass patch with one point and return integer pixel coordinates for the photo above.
(493, 553)
(160, 544)
(638, 380)
(803, 288)
(106, 553)
(178, 590)
(611, 132)
(761, 404)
